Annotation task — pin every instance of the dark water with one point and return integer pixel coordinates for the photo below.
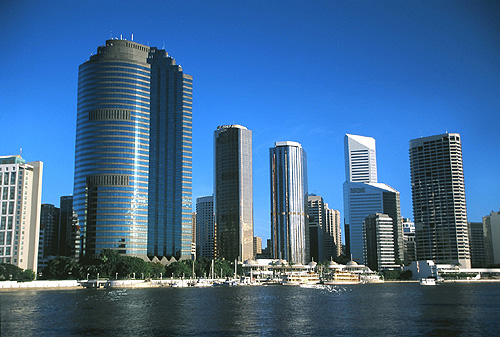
(375, 310)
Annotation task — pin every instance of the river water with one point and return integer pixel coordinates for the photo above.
(390, 309)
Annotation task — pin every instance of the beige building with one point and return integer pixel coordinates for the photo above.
(257, 245)
(20, 203)
(491, 224)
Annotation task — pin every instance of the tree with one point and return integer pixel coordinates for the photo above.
(127, 265)
(10, 272)
(156, 269)
(62, 268)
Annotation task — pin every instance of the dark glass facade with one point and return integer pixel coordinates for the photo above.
(233, 193)
(112, 149)
(170, 165)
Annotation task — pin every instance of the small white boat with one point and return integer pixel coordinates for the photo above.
(428, 281)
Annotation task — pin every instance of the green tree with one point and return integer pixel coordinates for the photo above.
(10, 272)
(156, 269)
(127, 265)
(62, 268)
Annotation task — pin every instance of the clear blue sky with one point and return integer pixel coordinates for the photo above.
(306, 71)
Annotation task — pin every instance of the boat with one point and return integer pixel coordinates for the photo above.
(428, 281)
(342, 277)
(298, 278)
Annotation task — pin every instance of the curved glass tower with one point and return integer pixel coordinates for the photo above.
(112, 148)
(289, 222)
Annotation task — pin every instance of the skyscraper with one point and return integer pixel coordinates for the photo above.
(20, 202)
(379, 241)
(333, 234)
(491, 225)
(363, 195)
(133, 164)
(69, 229)
(233, 192)
(316, 227)
(438, 192)
(289, 222)
(170, 158)
(205, 227)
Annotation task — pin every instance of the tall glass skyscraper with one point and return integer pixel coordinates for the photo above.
(438, 191)
(133, 158)
(233, 193)
(170, 153)
(289, 224)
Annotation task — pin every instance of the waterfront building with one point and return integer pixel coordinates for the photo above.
(205, 227)
(133, 154)
(257, 245)
(20, 201)
(69, 229)
(233, 193)
(438, 193)
(478, 243)
(492, 236)
(333, 235)
(49, 231)
(363, 196)
(410, 249)
(316, 227)
(170, 158)
(379, 242)
(289, 219)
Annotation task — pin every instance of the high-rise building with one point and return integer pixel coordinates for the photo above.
(170, 158)
(379, 242)
(205, 227)
(492, 236)
(233, 192)
(410, 249)
(289, 221)
(69, 229)
(20, 201)
(133, 157)
(363, 196)
(333, 234)
(257, 245)
(316, 227)
(48, 241)
(438, 192)
(479, 245)
(360, 159)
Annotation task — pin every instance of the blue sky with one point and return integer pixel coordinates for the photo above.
(306, 71)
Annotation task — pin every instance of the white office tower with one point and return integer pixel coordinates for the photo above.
(205, 227)
(379, 242)
(363, 196)
(20, 201)
(360, 159)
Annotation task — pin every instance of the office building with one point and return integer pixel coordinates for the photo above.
(479, 245)
(48, 245)
(379, 242)
(257, 245)
(410, 249)
(438, 192)
(170, 158)
(69, 229)
(289, 221)
(492, 237)
(363, 196)
(316, 227)
(333, 234)
(233, 192)
(20, 201)
(205, 227)
(133, 155)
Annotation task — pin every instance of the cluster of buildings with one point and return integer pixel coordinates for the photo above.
(133, 187)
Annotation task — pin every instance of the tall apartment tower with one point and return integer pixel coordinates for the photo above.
(170, 158)
(289, 221)
(205, 227)
(233, 192)
(438, 192)
(20, 201)
(363, 196)
(132, 190)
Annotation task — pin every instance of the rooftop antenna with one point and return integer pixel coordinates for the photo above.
(132, 36)
(163, 46)
(21, 151)
(121, 36)
(110, 34)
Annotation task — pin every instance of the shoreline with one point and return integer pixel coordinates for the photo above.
(135, 284)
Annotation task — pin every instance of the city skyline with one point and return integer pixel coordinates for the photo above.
(392, 72)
